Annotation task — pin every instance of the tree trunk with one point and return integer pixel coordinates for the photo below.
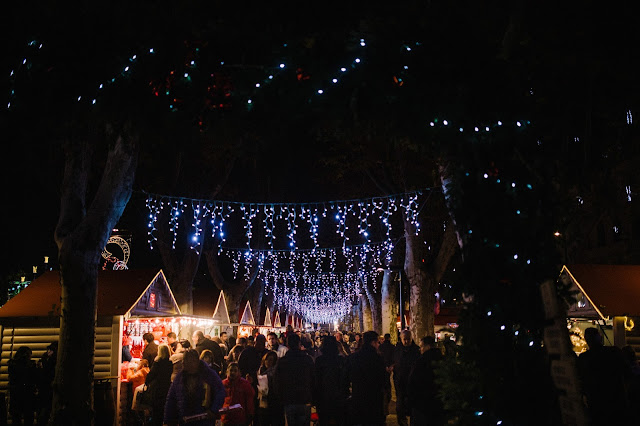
(375, 308)
(421, 286)
(360, 313)
(234, 298)
(389, 305)
(423, 279)
(256, 293)
(80, 235)
(73, 385)
(367, 320)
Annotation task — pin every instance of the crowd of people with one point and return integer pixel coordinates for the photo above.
(292, 378)
(300, 377)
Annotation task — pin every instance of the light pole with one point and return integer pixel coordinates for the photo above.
(397, 269)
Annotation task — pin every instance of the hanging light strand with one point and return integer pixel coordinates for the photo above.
(272, 214)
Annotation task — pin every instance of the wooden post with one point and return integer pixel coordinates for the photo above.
(564, 370)
(619, 333)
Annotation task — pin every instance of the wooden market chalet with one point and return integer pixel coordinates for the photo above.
(608, 297)
(131, 301)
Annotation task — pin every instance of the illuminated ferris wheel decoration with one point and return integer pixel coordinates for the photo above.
(116, 253)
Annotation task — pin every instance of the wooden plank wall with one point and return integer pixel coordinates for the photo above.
(107, 349)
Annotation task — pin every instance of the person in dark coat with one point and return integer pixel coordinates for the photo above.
(270, 410)
(158, 381)
(332, 384)
(603, 373)
(196, 391)
(426, 406)
(47, 369)
(249, 363)
(250, 359)
(343, 347)
(294, 382)
(387, 349)
(203, 343)
(633, 381)
(367, 374)
(22, 386)
(126, 349)
(150, 351)
(405, 356)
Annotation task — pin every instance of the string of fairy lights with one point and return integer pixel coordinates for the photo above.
(357, 44)
(313, 281)
(287, 216)
(319, 298)
(187, 74)
(329, 259)
(313, 285)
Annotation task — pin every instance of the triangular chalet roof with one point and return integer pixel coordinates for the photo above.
(126, 292)
(267, 318)
(221, 313)
(607, 290)
(247, 316)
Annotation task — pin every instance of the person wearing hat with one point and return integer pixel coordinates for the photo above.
(47, 372)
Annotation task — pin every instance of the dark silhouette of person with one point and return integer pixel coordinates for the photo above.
(294, 383)
(22, 387)
(386, 349)
(405, 356)
(332, 384)
(159, 380)
(270, 409)
(603, 373)
(203, 343)
(249, 362)
(250, 359)
(366, 375)
(150, 351)
(47, 370)
(426, 406)
(633, 381)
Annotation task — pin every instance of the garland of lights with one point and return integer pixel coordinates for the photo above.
(318, 260)
(319, 298)
(288, 215)
(309, 285)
